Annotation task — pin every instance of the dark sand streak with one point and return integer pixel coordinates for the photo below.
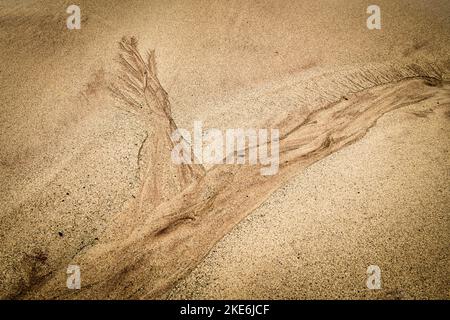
(184, 220)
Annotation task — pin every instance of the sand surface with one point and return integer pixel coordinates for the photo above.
(85, 181)
(375, 202)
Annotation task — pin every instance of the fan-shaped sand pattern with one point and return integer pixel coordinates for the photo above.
(179, 225)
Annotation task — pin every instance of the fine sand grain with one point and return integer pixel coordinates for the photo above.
(85, 170)
(371, 203)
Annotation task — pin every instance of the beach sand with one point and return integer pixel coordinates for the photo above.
(381, 201)
(364, 182)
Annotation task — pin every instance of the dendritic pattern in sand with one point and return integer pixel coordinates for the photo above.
(102, 191)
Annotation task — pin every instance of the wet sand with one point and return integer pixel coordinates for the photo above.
(74, 188)
(381, 201)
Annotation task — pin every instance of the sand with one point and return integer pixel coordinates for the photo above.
(74, 187)
(372, 203)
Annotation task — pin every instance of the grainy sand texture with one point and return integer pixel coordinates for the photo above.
(88, 179)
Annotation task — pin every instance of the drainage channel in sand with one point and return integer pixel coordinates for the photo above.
(188, 209)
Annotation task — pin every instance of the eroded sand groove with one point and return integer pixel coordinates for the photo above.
(139, 89)
(187, 210)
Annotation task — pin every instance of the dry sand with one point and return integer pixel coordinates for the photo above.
(381, 201)
(74, 189)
